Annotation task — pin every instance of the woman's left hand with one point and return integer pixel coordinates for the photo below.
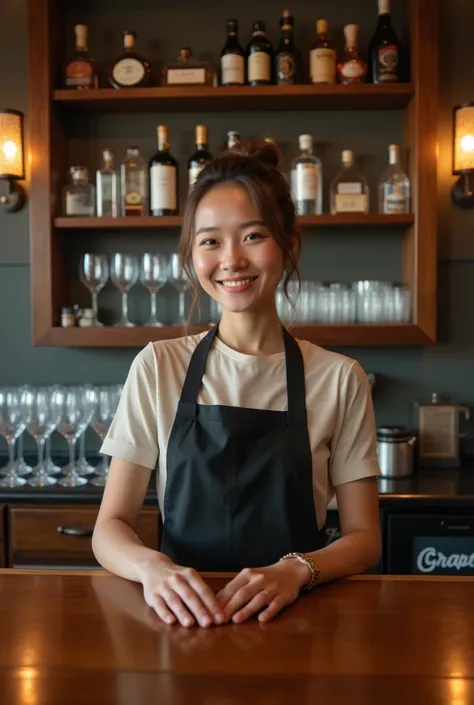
(272, 587)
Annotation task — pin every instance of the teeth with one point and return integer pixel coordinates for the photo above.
(240, 282)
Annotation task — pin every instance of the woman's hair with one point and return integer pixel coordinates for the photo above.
(254, 165)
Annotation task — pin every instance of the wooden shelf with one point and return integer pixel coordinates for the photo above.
(222, 98)
(327, 335)
(345, 220)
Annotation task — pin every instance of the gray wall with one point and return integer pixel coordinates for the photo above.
(404, 374)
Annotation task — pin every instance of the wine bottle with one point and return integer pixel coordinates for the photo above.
(259, 56)
(232, 58)
(163, 169)
(201, 156)
(322, 57)
(287, 55)
(385, 50)
(130, 70)
(351, 68)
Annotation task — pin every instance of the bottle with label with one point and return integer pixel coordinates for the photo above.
(107, 187)
(349, 191)
(385, 49)
(307, 179)
(394, 185)
(233, 139)
(187, 71)
(201, 156)
(322, 57)
(232, 58)
(134, 184)
(79, 194)
(130, 70)
(163, 177)
(81, 73)
(287, 59)
(259, 56)
(352, 68)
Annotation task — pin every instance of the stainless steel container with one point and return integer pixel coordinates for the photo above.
(395, 451)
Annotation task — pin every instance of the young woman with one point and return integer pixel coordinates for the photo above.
(249, 431)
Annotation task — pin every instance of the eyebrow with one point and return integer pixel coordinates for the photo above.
(242, 226)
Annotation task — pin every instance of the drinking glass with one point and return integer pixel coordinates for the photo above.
(22, 467)
(40, 423)
(124, 274)
(179, 279)
(72, 414)
(12, 425)
(153, 276)
(107, 401)
(94, 273)
(51, 467)
(83, 467)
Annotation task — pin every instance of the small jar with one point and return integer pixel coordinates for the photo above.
(68, 317)
(86, 318)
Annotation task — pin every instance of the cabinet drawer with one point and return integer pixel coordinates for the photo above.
(2, 536)
(61, 536)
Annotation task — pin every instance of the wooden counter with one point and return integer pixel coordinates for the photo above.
(88, 638)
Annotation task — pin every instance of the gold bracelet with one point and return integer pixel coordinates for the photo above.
(315, 570)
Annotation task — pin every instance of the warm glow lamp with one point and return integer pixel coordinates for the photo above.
(12, 164)
(463, 155)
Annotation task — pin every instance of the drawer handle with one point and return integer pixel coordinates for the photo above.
(71, 531)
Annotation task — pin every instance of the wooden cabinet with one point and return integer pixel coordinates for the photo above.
(2, 537)
(60, 536)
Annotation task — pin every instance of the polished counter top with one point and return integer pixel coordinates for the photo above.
(89, 638)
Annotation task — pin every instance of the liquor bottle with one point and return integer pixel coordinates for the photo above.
(233, 139)
(187, 71)
(130, 70)
(107, 187)
(352, 68)
(134, 184)
(306, 179)
(163, 177)
(394, 185)
(349, 192)
(385, 49)
(81, 73)
(322, 57)
(232, 58)
(287, 57)
(201, 156)
(259, 56)
(79, 194)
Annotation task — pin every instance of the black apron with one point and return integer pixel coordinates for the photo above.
(239, 486)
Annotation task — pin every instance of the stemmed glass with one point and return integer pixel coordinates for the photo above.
(40, 423)
(107, 401)
(12, 425)
(22, 467)
(72, 414)
(90, 400)
(153, 276)
(94, 273)
(179, 279)
(124, 274)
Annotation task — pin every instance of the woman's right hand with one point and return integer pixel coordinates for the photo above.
(178, 593)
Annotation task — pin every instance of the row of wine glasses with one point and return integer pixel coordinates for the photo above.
(154, 270)
(69, 410)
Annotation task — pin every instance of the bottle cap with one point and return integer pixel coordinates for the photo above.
(306, 141)
(163, 133)
(287, 21)
(351, 32)
(259, 26)
(81, 35)
(201, 134)
(233, 139)
(232, 26)
(129, 39)
(384, 7)
(348, 157)
(322, 27)
(79, 172)
(393, 152)
(108, 155)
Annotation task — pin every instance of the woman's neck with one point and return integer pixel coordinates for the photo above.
(252, 334)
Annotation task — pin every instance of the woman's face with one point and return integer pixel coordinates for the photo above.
(237, 260)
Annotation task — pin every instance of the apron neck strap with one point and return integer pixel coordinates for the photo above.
(295, 378)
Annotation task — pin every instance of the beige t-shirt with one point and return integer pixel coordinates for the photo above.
(340, 413)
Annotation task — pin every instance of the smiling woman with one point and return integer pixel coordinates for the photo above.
(250, 432)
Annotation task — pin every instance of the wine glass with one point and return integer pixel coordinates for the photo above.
(83, 467)
(153, 276)
(94, 273)
(179, 279)
(72, 413)
(40, 423)
(12, 425)
(124, 274)
(107, 402)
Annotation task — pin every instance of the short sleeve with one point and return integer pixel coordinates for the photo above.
(353, 445)
(133, 434)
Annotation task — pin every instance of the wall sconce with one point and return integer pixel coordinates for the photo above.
(12, 165)
(463, 155)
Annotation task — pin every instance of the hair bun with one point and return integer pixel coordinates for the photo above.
(264, 150)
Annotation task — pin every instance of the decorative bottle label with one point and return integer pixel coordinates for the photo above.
(163, 187)
(286, 68)
(388, 63)
(259, 66)
(305, 182)
(233, 69)
(128, 72)
(323, 65)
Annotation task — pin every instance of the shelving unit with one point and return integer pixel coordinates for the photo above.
(50, 109)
